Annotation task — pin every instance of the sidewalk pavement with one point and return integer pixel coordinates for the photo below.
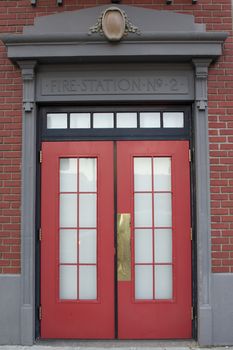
(113, 345)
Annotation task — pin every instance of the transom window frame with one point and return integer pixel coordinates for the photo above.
(136, 133)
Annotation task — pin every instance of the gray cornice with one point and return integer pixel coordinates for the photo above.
(67, 37)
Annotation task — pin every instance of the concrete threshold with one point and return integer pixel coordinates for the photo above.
(113, 345)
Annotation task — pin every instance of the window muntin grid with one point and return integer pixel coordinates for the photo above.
(78, 229)
(153, 263)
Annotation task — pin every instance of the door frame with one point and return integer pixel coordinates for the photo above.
(159, 135)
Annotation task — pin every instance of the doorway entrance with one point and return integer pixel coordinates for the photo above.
(116, 245)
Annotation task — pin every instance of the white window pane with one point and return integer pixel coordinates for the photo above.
(143, 246)
(87, 282)
(57, 121)
(143, 282)
(80, 121)
(163, 246)
(68, 282)
(68, 246)
(163, 282)
(87, 210)
(87, 175)
(142, 174)
(68, 175)
(149, 120)
(162, 174)
(68, 210)
(87, 246)
(173, 120)
(162, 210)
(126, 120)
(143, 210)
(103, 120)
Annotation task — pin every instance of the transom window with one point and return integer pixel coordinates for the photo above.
(119, 120)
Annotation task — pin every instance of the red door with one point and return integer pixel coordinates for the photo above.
(77, 247)
(154, 247)
(154, 300)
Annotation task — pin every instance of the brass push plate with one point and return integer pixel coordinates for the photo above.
(123, 247)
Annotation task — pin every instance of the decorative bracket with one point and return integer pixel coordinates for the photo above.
(28, 75)
(201, 73)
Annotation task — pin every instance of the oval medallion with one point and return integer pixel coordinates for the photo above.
(113, 24)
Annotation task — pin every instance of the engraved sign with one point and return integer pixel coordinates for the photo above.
(148, 84)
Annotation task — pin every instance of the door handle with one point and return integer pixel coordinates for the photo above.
(123, 247)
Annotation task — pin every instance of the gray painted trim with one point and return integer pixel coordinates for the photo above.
(222, 286)
(28, 201)
(203, 203)
(9, 309)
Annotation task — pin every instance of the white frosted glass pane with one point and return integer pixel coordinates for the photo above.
(142, 174)
(57, 121)
(162, 174)
(68, 246)
(68, 210)
(163, 246)
(162, 209)
(80, 121)
(68, 282)
(103, 120)
(173, 120)
(163, 282)
(143, 210)
(68, 175)
(87, 246)
(149, 120)
(143, 246)
(87, 210)
(87, 175)
(87, 282)
(143, 282)
(126, 120)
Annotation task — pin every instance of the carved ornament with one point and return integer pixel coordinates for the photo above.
(114, 24)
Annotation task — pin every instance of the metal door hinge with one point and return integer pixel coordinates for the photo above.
(40, 313)
(40, 234)
(40, 156)
(191, 233)
(192, 314)
(190, 155)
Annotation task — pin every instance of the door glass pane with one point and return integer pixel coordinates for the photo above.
(126, 120)
(162, 210)
(162, 174)
(103, 120)
(163, 246)
(173, 120)
(68, 282)
(143, 282)
(68, 246)
(87, 210)
(142, 174)
(149, 120)
(57, 121)
(68, 175)
(87, 246)
(68, 210)
(80, 121)
(143, 246)
(87, 175)
(163, 282)
(143, 209)
(87, 282)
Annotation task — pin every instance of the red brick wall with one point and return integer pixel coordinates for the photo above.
(217, 16)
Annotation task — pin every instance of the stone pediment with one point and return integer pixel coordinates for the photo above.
(148, 35)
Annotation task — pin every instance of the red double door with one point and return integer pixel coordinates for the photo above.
(90, 190)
